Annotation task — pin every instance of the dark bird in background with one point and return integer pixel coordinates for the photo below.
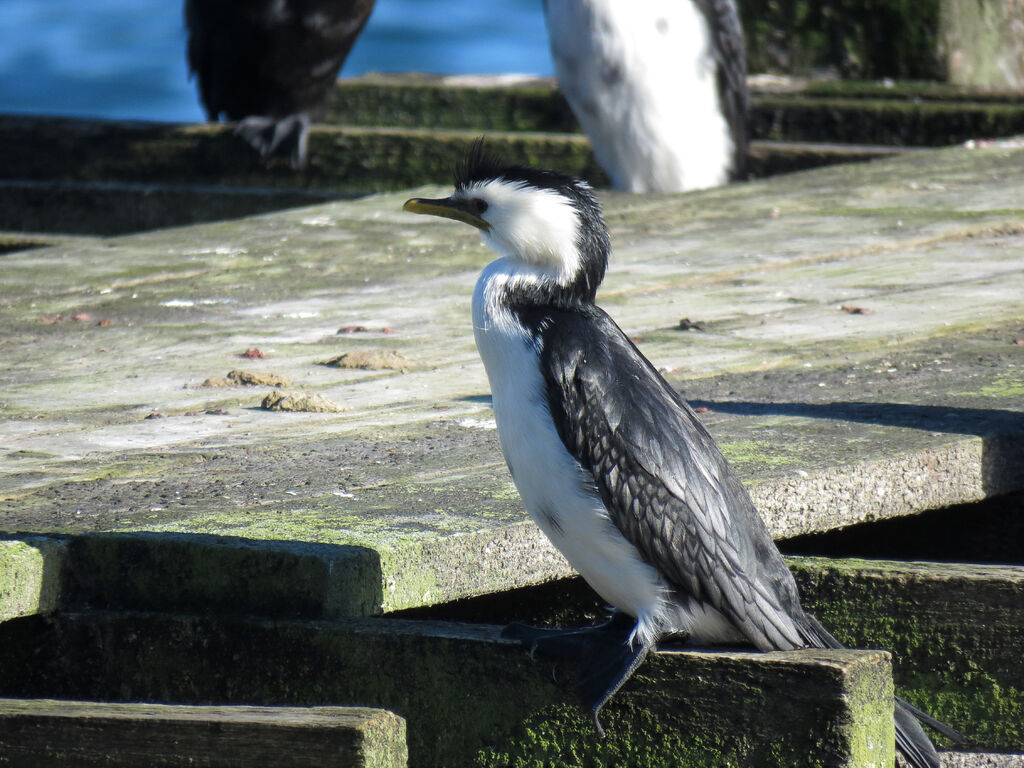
(610, 462)
(271, 65)
(659, 87)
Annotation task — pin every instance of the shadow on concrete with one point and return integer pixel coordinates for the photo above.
(932, 418)
(987, 532)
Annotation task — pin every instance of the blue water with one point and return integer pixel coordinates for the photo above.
(126, 58)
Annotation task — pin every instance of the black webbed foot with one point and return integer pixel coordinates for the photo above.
(604, 655)
(285, 137)
(553, 643)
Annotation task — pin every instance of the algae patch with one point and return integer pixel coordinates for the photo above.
(371, 360)
(299, 401)
(757, 453)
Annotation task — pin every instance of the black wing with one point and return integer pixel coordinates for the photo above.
(731, 60)
(261, 57)
(670, 491)
(662, 478)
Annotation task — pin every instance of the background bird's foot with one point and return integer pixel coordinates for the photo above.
(281, 137)
(604, 655)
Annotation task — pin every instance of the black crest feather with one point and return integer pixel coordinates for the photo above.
(482, 164)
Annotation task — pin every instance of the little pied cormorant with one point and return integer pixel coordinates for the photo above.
(659, 87)
(610, 462)
(271, 65)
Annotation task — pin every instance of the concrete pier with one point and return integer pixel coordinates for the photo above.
(853, 336)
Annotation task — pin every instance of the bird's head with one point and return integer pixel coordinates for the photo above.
(546, 224)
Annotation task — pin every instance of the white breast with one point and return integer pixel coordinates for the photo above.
(559, 495)
(641, 78)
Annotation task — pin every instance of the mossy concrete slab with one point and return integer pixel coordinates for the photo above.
(346, 160)
(470, 698)
(102, 207)
(61, 173)
(956, 633)
(883, 121)
(44, 732)
(386, 132)
(452, 102)
(31, 571)
(790, 110)
(865, 317)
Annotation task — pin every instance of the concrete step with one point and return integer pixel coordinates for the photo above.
(788, 110)
(954, 630)
(470, 698)
(104, 207)
(78, 176)
(45, 732)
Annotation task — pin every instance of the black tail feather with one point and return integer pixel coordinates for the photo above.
(911, 740)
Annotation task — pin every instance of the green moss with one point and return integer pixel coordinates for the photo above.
(424, 102)
(1009, 384)
(882, 121)
(867, 39)
(30, 576)
(956, 643)
(641, 739)
(751, 455)
(224, 574)
(468, 699)
(903, 90)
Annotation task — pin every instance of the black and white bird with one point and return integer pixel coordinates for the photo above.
(271, 64)
(610, 462)
(659, 87)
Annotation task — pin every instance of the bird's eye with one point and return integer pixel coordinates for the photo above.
(477, 206)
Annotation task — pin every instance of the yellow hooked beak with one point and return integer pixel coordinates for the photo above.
(447, 207)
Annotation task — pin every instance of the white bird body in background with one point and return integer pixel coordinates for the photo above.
(657, 85)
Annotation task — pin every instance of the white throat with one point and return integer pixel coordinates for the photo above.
(537, 229)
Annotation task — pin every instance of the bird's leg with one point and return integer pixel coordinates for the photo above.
(286, 136)
(603, 653)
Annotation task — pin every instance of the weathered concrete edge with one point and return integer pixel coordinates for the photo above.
(31, 574)
(378, 735)
(192, 572)
(905, 572)
(198, 573)
(980, 760)
(966, 470)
